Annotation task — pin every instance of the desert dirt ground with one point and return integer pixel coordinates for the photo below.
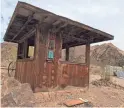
(103, 96)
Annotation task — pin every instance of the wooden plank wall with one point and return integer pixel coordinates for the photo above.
(42, 72)
(31, 71)
(26, 72)
(77, 74)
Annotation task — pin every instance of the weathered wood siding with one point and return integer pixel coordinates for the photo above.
(40, 71)
(78, 74)
(26, 72)
(43, 72)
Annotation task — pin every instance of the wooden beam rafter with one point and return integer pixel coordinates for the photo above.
(9, 40)
(73, 38)
(56, 28)
(22, 28)
(56, 22)
(27, 35)
(43, 19)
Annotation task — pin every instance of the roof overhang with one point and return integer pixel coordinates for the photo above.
(26, 16)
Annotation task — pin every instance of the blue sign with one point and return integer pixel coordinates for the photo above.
(50, 54)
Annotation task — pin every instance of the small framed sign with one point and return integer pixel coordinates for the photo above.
(50, 54)
(51, 47)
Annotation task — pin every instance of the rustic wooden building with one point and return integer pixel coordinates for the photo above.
(46, 34)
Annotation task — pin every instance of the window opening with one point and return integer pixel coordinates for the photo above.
(76, 54)
(30, 47)
(26, 48)
(21, 50)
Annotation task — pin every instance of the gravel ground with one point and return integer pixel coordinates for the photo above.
(103, 96)
(98, 96)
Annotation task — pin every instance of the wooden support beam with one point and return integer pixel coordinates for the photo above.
(56, 22)
(43, 19)
(18, 49)
(59, 23)
(26, 48)
(27, 35)
(73, 30)
(67, 54)
(72, 45)
(9, 40)
(78, 39)
(74, 38)
(22, 28)
(87, 59)
(56, 28)
(64, 25)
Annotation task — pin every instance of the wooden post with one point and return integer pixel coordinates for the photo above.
(17, 51)
(87, 60)
(67, 53)
(26, 49)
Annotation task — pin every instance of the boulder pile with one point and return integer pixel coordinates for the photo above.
(15, 94)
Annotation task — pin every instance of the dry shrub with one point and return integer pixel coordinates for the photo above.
(103, 82)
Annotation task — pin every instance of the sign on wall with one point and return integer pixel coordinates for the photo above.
(51, 46)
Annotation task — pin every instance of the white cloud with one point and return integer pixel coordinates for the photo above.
(106, 15)
(99, 10)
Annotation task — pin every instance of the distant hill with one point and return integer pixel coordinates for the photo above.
(107, 54)
(104, 54)
(100, 54)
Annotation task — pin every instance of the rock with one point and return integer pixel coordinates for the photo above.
(23, 95)
(4, 75)
(20, 96)
(7, 101)
(9, 84)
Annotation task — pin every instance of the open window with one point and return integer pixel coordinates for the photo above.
(74, 54)
(30, 47)
(26, 48)
(21, 50)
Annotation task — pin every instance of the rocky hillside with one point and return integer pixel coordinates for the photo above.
(104, 54)
(100, 54)
(107, 54)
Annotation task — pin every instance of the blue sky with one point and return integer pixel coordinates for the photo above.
(106, 15)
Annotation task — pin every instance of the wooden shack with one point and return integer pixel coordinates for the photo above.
(46, 34)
